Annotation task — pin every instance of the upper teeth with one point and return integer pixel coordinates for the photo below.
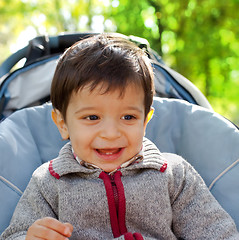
(108, 153)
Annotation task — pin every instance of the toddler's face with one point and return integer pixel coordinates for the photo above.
(105, 129)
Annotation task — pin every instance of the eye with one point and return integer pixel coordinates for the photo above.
(128, 117)
(92, 117)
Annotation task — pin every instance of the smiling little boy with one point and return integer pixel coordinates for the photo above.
(109, 182)
(104, 129)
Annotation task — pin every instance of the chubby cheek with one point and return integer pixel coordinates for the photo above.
(82, 151)
(136, 139)
(81, 143)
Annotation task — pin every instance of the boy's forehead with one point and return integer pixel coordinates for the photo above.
(130, 98)
(133, 97)
(104, 89)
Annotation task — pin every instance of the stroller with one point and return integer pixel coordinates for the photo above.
(183, 123)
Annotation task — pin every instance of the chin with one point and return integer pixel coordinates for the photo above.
(109, 169)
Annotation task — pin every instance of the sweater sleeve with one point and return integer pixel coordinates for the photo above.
(196, 213)
(31, 206)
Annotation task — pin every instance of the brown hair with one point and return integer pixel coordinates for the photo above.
(103, 59)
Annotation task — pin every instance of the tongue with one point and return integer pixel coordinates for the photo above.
(108, 151)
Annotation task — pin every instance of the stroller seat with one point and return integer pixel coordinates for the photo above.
(29, 138)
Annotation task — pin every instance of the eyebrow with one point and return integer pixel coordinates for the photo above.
(84, 109)
(93, 108)
(135, 109)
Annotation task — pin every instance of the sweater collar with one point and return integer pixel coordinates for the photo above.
(136, 159)
(65, 163)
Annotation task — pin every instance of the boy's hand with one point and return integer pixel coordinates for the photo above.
(49, 229)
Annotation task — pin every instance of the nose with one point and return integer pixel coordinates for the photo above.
(110, 130)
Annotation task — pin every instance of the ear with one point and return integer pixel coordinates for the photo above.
(148, 118)
(60, 123)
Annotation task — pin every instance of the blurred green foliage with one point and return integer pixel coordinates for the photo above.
(197, 38)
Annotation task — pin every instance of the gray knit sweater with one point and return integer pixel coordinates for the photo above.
(161, 197)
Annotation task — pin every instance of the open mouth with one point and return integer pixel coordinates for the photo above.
(108, 152)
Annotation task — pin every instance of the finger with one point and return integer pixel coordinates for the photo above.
(56, 226)
(69, 226)
(42, 232)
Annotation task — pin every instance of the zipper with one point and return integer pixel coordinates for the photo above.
(116, 202)
(115, 191)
